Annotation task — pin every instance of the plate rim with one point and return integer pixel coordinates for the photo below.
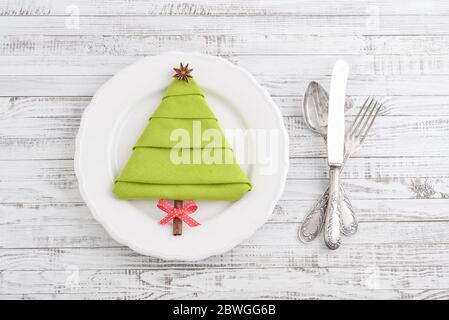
(283, 171)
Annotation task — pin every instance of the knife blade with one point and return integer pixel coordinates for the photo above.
(335, 151)
(336, 115)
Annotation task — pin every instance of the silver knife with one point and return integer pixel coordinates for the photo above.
(335, 151)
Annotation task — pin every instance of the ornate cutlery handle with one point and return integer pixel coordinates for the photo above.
(314, 220)
(349, 224)
(332, 219)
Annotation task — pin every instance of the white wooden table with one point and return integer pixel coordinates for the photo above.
(55, 54)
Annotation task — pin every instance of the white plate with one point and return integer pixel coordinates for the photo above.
(116, 117)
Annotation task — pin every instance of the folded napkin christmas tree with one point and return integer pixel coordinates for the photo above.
(182, 153)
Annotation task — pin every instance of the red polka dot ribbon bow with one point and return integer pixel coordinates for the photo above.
(182, 213)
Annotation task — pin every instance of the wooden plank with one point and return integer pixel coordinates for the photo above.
(371, 210)
(278, 85)
(427, 294)
(222, 44)
(286, 211)
(271, 236)
(290, 106)
(288, 66)
(292, 66)
(101, 65)
(59, 85)
(367, 85)
(243, 256)
(227, 25)
(386, 138)
(222, 8)
(380, 189)
(217, 44)
(219, 283)
(410, 106)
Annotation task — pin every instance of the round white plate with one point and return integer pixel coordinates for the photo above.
(116, 117)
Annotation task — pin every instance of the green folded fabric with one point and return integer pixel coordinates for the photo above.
(182, 154)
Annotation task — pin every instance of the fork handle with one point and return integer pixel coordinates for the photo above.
(332, 219)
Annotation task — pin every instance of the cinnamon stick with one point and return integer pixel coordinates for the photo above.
(177, 223)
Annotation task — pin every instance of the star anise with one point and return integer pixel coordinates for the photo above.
(183, 72)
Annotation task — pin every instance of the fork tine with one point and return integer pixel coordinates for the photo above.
(359, 120)
(366, 119)
(358, 115)
(372, 118)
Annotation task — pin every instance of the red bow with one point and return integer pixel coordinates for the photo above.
(181, 213)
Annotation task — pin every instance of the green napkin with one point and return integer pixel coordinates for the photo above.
(170, 162)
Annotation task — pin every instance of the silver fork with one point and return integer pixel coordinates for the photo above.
(361, 125)
(354, 137)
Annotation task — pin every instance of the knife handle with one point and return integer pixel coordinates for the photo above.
(332, 219)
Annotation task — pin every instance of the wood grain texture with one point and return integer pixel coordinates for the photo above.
(281, 85)
(223, 44)
(307, 65)
(178, 284)
(225, 25)
(222, 7)
(52, 248)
